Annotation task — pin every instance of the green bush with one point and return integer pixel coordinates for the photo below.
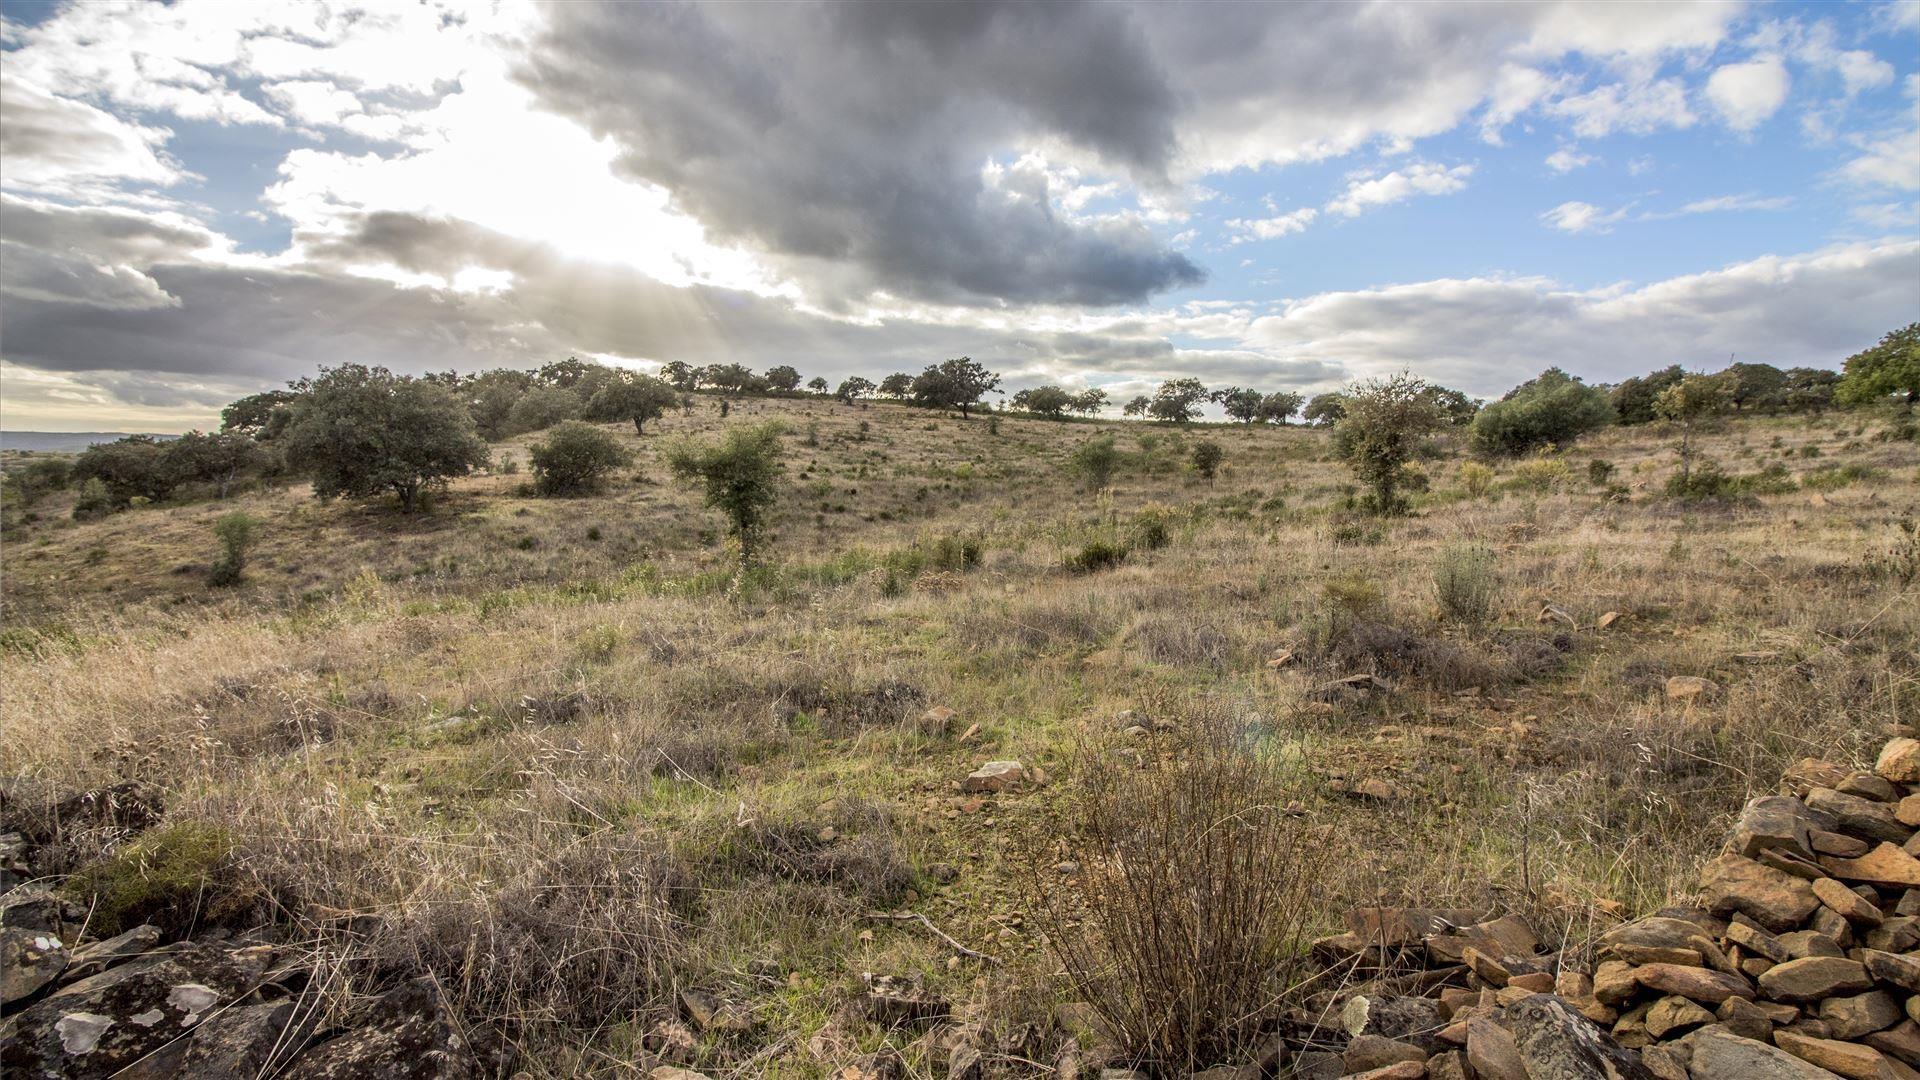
(175, 877)
(1097, 555)
(1152, 527)
(575, 458)
(94, 501)
(1600, 472)
(1207, 456)
(1465, 585)
(235, 531)
(741, 475)
(1095, 460)
(1553, 409)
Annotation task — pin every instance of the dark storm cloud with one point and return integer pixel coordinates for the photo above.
(854, 134)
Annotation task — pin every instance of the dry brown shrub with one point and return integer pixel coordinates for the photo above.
(1189, 925)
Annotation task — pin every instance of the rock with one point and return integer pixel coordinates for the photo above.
(1722, 1055)
(1847, 1059)
(1508, 940)
(1367, 1052)
(1886, 864)
(1378, 790)
(1607, 619)
(1405, 925)
(1893, 969)
(1775, 900)
(1688, 688)
(1489, 969)
(1848, 904)
(1614, 982)
(1655, 932)
(708, 1013)
(1898, 934)
(405, 1032)
(1404, 1070)
(894, 1003)
(1808, 773)
(1864, 818)
(1774, 821)
(1664, 1062)
(1833, 843)
(1862, 1014)
(1804, 943)
(1789, 863)
(1814, 978)
(1492, 1052)
(1533, 982)
(1906, 812)
(1676, 1014)
(1869, 786)
(1696, 984)
(1899, 761)
(1900, 1041)
(1407, 1019)
(1556, 1043)
(1758, 941)
(1631, 1029)
(101, 955)
(29, 961)
(233, 1044)
(995, 776)
(1745, 1019)
(1451, 1065)
(99, 1025)
(674, 1072)
(1640, 954)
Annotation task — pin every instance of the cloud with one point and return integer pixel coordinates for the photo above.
(1577, 217)
(1636, 108)
(1421, 178)
(1486, 334)
(55, 145)
(1748, 201)
(1272, 228)
(1566, 159)
(1746, 94)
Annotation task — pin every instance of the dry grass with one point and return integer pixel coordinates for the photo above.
(429, 746)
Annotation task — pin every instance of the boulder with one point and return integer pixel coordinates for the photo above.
(1886, 864)
(1833, 843)
(407, 1033)
(29, 961)
(1808, 773)
(1804, 943)
(1408, 1019)
(1722, 1055)
(1899, 761)
(1861, 1014)
(234, 1044)
(1774, 821)
(1900, 1041)
(995, 776)
(1368, 1052)
(1815, 978)
(1846, 903)
(1850, 1060)
(100, 955)
(1893, 969)
(1758, 941)
(1775, 900)
(1693, 983)
(1864, 818)
(1556, 1043)
(1869, 786)
(1674, 1014)
(1492, 1052)
(99, 1025)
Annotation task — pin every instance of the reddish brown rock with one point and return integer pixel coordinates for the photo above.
(1815, 978)
(1886, 864)
(1777, 901)
(1696, 984)
(1848, 904)
(1899, 761)
(1851, 1060)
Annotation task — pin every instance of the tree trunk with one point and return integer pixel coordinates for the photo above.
(637, 429)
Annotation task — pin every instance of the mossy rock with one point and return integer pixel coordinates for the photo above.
(179, 877)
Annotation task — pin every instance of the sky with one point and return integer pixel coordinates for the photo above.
(199, 200)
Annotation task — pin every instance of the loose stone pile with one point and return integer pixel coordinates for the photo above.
(1799, 962)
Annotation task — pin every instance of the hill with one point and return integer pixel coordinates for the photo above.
(65, 442)
(564, 756)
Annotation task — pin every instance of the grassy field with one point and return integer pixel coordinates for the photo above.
(561, 753)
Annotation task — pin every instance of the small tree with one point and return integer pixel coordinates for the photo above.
(959, 383)
(817, 384)
(1207, 456)
(261, 415)
(1688, 403)
(93, 501)
(783, 377)
(1137, 407)
(1095, 460)
(1891, 368)
(897, 385)
(360, 431)
(741, 477)
(1240, 403)
(1554, 408)
(1325, 409)
(681, 375)
(542, 407)
(1279, 405)
(1178, 400)
(575, 458)
(134, 467)
(638, 398)
(1633, 398)
(853, 389)
(1089, 401)
(1048, 401)
(1384, 421)
(235, 531)
(215, 459)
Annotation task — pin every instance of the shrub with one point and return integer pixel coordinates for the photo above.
(741, 476)
(1097, 555)
(235, 531)
(542, 407)
(1207, 456)
(176, 877)
(1476, 478)
(1152, 527)
(1384, 422)
(94, 501)
(361, 431)
(638, 398)
(41, 476)
(1600, 472)
(1095, 460)
(1540, 474)
(575, 459)
(1552, 409)
(1465, 585)
(1186, 926)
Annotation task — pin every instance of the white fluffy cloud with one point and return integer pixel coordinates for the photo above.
(1746, 94)
(1577, 217)
(1271, 228)
(1566, 159)
(1634, 108)
(1422, 178)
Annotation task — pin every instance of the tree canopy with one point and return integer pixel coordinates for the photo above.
(360, 431)
(1889, 369)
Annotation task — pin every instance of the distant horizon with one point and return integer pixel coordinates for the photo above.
(203, 200)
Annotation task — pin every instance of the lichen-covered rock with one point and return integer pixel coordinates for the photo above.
(29, 960)
(1815, 978)
(1557, 1043)
(404, 1034)
(99, 1025)
(1722, 1055)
